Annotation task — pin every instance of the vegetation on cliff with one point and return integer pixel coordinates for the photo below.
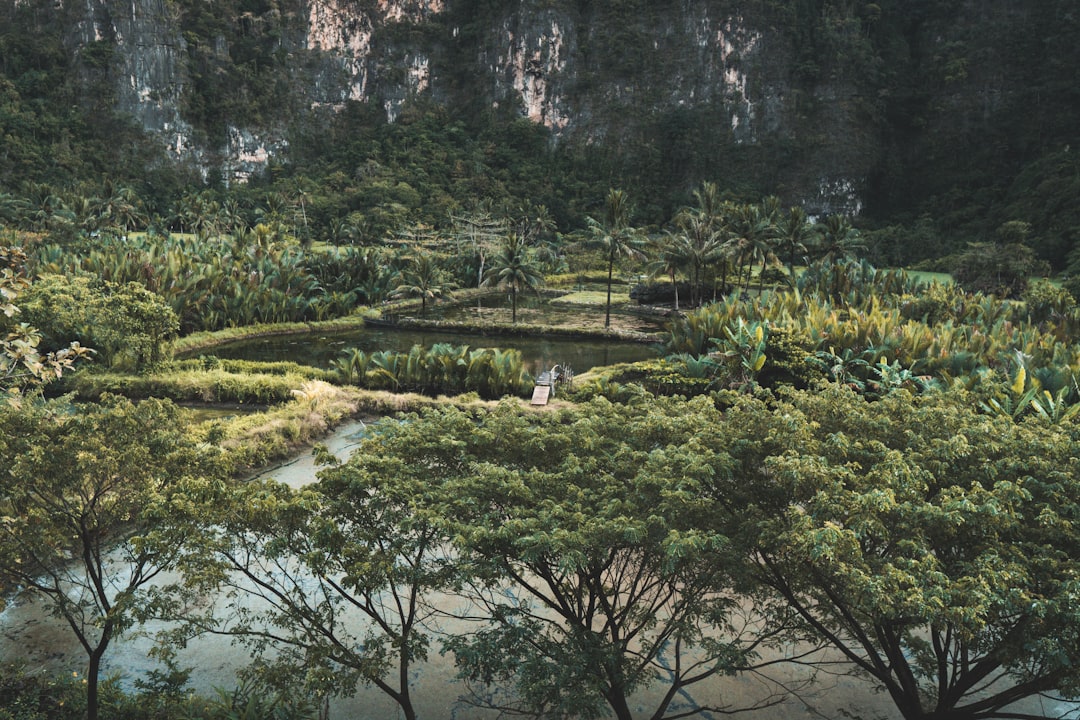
(945, 124)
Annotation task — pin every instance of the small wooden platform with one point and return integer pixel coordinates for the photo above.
(540, 395)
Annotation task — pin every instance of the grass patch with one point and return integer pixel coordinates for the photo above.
(594, 277)
(252, 367)
(204, 386)
(593, 330)
(247, 443)
(925, 276)
(198, 342)
(592, 298)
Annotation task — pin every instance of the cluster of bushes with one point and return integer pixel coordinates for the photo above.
(196, 385)
(872, 330)
(245, 279)
(442, 369)
(28, 695)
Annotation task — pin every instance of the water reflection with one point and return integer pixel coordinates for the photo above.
(539, 353)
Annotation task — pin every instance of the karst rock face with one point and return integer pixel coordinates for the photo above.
(823, 100)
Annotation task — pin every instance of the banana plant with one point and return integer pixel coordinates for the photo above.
(1016, 398)
(893, 376)
(743, 345)
(845, 366)
(1056, 408)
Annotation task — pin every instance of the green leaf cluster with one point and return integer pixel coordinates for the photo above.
(442, 369)
(877, 329)
(127, 325)
(914, 534)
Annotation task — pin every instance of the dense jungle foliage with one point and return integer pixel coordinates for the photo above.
(871, 468)
(706, 501)
(965, 123)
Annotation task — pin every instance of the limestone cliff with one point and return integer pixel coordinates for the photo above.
(591, 74)
(821, 101)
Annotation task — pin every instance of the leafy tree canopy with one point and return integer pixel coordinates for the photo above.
(588, 549)
(87, 508)
(127, 324)
(932, 545)
(22, 363)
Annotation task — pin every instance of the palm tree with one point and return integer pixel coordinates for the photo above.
(769, 212)
(749, 239)
(672, 255)
(705, 235)
(711, 232)
(423, 279)
(341, 232)
(709, 205)
(122, 208)
(537, 226)
(88, 215)
(514, 267)
(275, 214)
(839, 240)
(12, 208)
(796, 237)
(533, 222)
(693, 247)
(615, 237)
(376, 286)
(186, 211)
(47, 210)
(232, 217)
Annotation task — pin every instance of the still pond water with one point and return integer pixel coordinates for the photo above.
(539, 353)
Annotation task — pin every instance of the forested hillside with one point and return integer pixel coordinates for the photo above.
(933, 123)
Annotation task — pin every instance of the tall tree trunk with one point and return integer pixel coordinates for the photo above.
(408, 712)
(607, 311)
(92, 672)
(618, 703)
(675, 287)
(92, 687)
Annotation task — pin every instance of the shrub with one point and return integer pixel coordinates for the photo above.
(442, 369)
(189, 386)
(854, 282)
(936, 303)
(1044, 302)
(127, 325)
(1001, 268)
